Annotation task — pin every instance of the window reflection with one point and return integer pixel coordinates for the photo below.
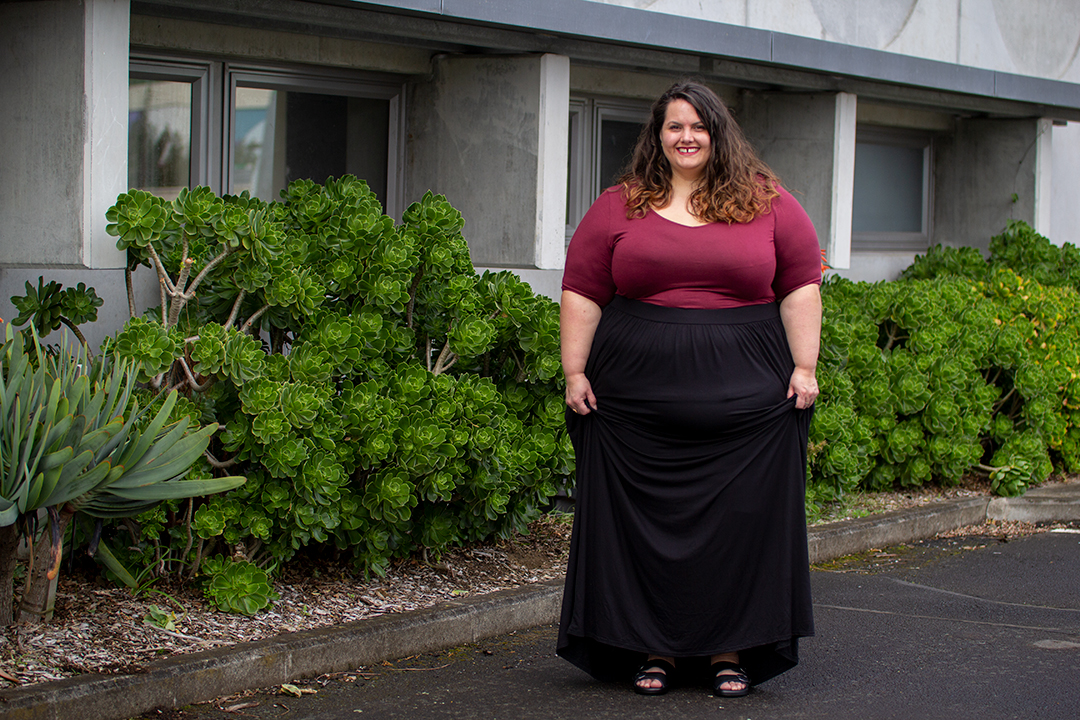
(617, 141)
(889, 188)
(159, 136)
(280, 136)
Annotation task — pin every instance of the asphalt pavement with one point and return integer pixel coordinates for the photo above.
(930, 629)
(969, 627)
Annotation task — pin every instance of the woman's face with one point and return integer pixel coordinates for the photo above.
(686, 142)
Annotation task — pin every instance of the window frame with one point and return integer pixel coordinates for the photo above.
(205, 80)
(587, 115)
(327, 81)
(214, 81)
(918, 241)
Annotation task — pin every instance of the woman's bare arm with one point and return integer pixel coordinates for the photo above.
(578, 318)
(801, 314)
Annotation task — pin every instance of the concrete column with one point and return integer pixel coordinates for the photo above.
(1044, 176)
(490, 133)
(63, 116)
(809, 140)
(985, 175)
(1065, 216)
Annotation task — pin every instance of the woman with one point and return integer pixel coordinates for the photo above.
(691, 317)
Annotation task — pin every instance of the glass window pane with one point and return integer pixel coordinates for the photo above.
(159, 136)
(617, 140)
(888, 189)
(280, 136)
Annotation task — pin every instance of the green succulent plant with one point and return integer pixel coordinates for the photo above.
(238, 586)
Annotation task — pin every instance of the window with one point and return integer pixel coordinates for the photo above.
(891, 204)
(167, 123)
(601, 142)
(270, 126)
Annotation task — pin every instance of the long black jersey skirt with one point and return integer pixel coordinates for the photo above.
(689, 529)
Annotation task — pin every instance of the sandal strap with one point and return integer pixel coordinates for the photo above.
(739, 675)
(660, 665)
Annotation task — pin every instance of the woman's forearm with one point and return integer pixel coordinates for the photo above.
(578, 318)
(801, 314)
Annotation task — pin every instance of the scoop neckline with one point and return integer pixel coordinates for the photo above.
(674, 222)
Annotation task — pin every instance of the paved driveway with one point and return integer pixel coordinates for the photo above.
(970, 627)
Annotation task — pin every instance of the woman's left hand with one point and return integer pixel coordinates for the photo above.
(803, 383)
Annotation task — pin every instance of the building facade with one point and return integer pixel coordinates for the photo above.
(897, 123)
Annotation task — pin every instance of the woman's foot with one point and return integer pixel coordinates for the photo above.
(729, 679)
(652, 677)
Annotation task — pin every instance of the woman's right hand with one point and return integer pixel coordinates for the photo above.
(579, 394)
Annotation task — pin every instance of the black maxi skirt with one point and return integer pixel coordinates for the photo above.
(689, 530)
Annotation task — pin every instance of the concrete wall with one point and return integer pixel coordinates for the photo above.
(1028, 38)
(490, 134)
(809, 140)
(41, 123)
(984, 175)
(63, 120)
(172, 34)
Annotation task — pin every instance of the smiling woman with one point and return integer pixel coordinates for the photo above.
(690, 328)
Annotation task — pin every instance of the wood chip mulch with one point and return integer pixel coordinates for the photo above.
(97, 629)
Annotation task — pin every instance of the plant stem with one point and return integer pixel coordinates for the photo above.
(235, 309)
(219, 464)
(74, 328)
(446, 360)
(130, 289)
(209, 266)
(191, 378)
(9, 544)
(181, 297)
(251, 320)
(34, 606)
(412, 297)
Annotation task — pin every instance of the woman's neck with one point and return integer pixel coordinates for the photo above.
(678, 206)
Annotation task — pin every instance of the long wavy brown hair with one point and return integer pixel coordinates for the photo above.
(736, 187)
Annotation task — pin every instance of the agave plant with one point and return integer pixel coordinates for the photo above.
(72, 439)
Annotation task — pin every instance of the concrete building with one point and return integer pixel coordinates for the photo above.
(897, 123)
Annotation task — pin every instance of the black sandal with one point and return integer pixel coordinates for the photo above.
(656, 669)
(739, 676)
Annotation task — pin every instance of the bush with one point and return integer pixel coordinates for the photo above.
(379, 395)
(962, 365)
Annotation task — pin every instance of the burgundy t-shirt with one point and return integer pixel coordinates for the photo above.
(719, 265)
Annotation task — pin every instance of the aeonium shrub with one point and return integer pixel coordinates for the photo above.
(379, 395)
(963, 365)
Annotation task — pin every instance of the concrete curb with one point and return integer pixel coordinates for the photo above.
(203, 676)
(828, 542)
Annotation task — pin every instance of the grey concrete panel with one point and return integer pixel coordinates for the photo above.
(1036, 90)
(473, 136)
(977, 173)
(42, 123)
(794, 134)
(620, 24)
(421, 25)
(796, 51)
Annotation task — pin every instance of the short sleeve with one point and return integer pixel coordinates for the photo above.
(798, 255)
(588, 260)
